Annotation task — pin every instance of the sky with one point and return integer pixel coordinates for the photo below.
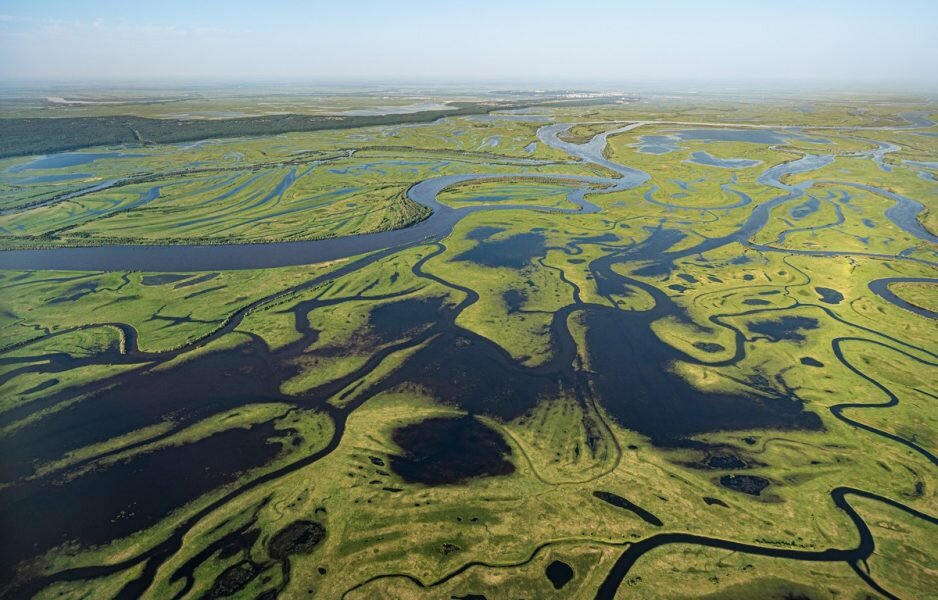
(821, 42)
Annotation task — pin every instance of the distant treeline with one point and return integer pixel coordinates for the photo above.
(19, 137)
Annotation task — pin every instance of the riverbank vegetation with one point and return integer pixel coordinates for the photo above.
(26, 136)
(542, 398)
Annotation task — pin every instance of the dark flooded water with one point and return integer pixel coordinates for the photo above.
(784, 328)
(241, 377)
(643, 395)
(559, 573)
(114, 502)
(630, 375)
(299, 537)
(747, 484)
(516, 252)
(444, 451)
(710, 347)
(806, 208)
(68, 159)
(829, 296)
(620, 502)
(133, 494)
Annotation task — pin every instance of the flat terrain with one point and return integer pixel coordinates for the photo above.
(535, 347)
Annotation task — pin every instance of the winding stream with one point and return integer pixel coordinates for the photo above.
(184, 258)
(187, 258)
(443, 339)
(880, 287)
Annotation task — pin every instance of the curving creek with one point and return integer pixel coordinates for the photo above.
(623, 366)
(186, 258)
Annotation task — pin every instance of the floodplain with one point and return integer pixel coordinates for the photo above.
(649, 347)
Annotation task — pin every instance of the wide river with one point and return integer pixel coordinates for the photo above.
(193, 258)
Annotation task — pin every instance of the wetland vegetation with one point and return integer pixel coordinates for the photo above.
(607, 347)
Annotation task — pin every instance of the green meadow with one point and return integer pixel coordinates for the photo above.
(686, 387)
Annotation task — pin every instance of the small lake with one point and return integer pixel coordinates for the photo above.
(753, 136)
(705, 158)
(57, 178)
(68, 159)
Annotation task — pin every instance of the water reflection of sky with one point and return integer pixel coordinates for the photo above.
(67, 159)
(670, 141)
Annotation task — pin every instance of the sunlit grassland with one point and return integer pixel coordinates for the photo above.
(696, 572)
(495, 535)
(165, 314)
(844, 220)
(290, 187)
(363, 520)
(539, 283)
(104, 586)
(580, 133)
(472, 134)
(912, 145)
(821, 112)
(347, 339)
(769, 282)
(366, 523)
(513, 192)
(685, 183)
(313, 429)
(862, 171)
(920, 294)
(26, 136)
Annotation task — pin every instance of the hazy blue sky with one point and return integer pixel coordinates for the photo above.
(825, 41)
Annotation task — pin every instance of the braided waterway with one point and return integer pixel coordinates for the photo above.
(485, 371)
